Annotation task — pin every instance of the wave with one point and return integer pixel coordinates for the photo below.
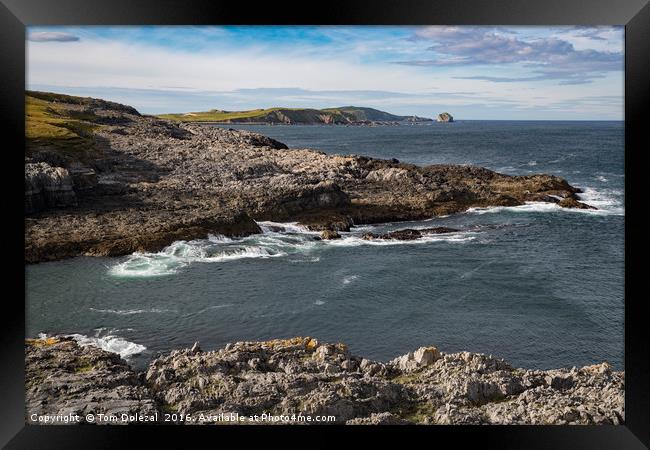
(128, 312)
(209, 308)
(108, 342)
(607, 202)
(283, 227)
(355, 241)
(276, 240)
(349, 279)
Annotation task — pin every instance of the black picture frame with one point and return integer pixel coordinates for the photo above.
(634, 14)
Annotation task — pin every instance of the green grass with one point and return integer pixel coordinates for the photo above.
(215, 115)
(51, 126)
(297, 115)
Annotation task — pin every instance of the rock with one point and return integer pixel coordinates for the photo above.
(302, 376)
(387, 175)
(63, 377)
(444, 117)
(330, 234)
(47, 187)
(422, 357)
(83, 177)
(385, 418)
(570, 202)
(408, 234)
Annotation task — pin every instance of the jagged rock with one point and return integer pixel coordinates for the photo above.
(387, 175)
(418, 359)
(83, 177)
(303, 376)
(47, 187)
(330, 234)
(65, 378)
(571, 202)
(408, 234)
(444, 117)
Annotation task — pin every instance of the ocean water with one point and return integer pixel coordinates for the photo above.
(537, 285)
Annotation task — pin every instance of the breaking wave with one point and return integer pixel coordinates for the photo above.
(609, 202)
(106, 341)
(128, 312)
(276, 240)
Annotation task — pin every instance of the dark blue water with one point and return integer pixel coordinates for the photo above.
(537, 285)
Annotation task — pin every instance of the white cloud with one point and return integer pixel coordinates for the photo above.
(52, 36)
(101, 63)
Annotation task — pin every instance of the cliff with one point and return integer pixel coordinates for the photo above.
(303, 377)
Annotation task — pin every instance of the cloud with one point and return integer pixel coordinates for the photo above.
(548, 58)
(52, 36)
(157, 71)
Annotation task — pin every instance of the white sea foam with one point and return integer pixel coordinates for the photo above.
(291, 227)
(311, 259)
(607, 202)
(319, 302)
(355, 241)
(128, 312)
(349, 279)
(276, 240)
(210, 308)
(108, 342)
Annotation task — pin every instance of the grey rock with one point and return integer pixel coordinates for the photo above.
(47, 187)
(303, 376)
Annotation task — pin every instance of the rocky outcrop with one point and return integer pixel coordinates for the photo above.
(302, 376)
(64, 378)
(444, 117)
(408, 234)
(152, 181)
(570, 202)
(47, 187)
(330, 234)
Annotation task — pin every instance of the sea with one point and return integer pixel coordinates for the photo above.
(537, 285)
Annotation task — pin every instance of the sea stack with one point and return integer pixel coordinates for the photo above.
(445, 117)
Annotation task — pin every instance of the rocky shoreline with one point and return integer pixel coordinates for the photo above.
(304, 377)
(121, 182)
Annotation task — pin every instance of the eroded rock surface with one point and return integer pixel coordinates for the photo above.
(62, 377)
(408, 234)
(304, 376)
(47, 187)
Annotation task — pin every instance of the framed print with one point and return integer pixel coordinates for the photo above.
(375, 218)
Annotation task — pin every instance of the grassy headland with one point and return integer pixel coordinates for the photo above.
(341, 115)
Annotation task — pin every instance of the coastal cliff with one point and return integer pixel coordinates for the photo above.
(302, 376)
(103, 180)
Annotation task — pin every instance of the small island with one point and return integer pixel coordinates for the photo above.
(445, 117)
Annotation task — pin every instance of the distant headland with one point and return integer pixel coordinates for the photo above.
(344, 115)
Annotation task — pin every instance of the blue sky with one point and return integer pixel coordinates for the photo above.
(474, 72)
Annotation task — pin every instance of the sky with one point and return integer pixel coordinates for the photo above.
(473, 72)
